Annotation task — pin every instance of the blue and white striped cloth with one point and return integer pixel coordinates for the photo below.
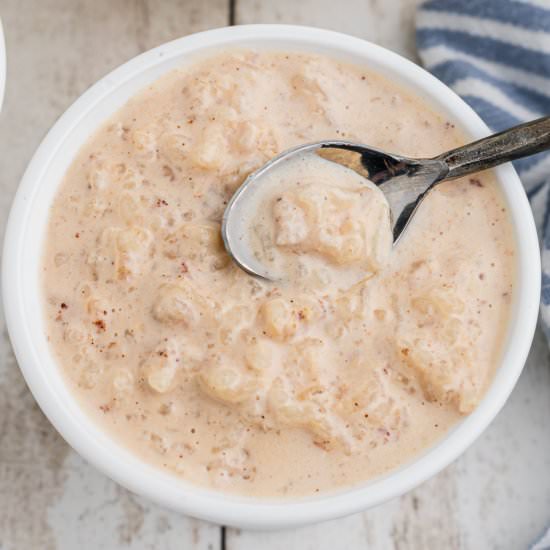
(496, 55)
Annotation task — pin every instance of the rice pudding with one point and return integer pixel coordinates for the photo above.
(362, 357)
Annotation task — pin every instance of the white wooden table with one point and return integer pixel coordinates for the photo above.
(496, 496)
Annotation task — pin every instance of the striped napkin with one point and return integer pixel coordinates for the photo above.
(496, 55)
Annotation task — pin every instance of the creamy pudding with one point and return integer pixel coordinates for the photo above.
(362, 357)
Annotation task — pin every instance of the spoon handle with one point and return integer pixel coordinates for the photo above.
(517, 142)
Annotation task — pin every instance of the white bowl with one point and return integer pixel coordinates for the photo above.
(23, 299)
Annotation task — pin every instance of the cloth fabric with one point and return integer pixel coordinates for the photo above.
(496, 55)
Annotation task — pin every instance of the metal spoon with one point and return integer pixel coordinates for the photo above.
(404, 181)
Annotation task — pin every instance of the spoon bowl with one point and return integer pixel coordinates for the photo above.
(404, 182)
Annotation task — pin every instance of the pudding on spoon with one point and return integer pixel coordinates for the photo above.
(309, 205)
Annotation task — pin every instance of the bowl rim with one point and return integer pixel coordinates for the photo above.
(89, 440)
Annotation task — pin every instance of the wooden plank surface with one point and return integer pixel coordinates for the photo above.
(496, 496)
(50, 499)
(389, 23)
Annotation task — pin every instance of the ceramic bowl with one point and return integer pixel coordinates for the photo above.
(23, 297)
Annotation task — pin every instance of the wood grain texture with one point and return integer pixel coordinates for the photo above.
(496, 496)
(389, 23)
(50, 499)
